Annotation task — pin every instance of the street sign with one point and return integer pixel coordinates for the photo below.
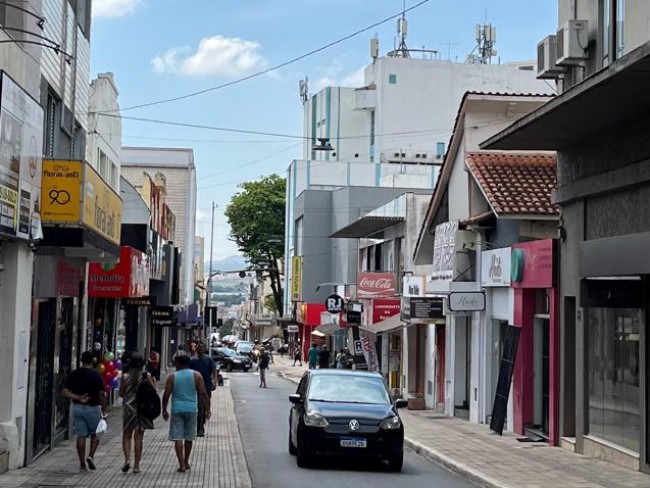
(358, 348)
(334, 304)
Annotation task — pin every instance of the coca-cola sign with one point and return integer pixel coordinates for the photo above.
(376, 285)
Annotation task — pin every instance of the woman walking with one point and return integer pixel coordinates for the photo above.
(134, 425)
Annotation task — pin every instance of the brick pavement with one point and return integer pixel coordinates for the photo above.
(498, 461)
(217, 461)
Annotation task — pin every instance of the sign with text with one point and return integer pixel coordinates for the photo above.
(376, 285)
(413, 286)
(296, 279)
(385, 308)
(443, 251)
(466, 301)
(495, 267)
(334, 304)
(128, 278)
(426, 308)
(293, 328)
(162, 316)
(102, 207)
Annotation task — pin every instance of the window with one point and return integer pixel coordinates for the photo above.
(392, 79)
(372, 128)
(613, 370)
(440, 150)
(102, 165)
(50, 124)
(612, 29)
(113, 178)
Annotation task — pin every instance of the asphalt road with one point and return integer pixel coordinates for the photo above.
(263, 416)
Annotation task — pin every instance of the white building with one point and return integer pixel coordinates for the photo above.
(177, 166)
(392, 132)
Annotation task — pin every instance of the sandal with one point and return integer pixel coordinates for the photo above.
(136, 470)
(126, 468)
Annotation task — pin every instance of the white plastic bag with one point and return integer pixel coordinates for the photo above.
(101, 427)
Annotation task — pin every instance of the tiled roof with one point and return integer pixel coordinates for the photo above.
(515, 183)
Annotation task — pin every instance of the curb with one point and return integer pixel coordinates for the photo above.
(454, 465)
(288, 378)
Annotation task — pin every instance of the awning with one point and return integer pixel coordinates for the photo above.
(367, 226)
(317, 334)
(327, 329)
(390, 324)
(591, 108)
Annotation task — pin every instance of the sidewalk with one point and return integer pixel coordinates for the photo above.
(217, 459)
(498, 461)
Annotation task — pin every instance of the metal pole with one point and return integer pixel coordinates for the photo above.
(211, 252)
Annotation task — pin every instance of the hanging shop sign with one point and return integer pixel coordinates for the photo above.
(73, 194)
(21, 149)
(413, 286)
(405, 312)
(376, 285)
(128, 278)
(443, 251)
(296, 279)
(162, 316)
(334, 304)
(293, 328)
(426, 308)
(466, 301)
(496, 267)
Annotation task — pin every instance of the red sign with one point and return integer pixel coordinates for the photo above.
(68, 277)
(385, 308)
(129, 278)
(537, 262)
(376, 285)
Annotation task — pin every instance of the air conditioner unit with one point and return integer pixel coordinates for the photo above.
(546, 55)
(572, 42)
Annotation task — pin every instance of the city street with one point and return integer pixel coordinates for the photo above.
(263, 422)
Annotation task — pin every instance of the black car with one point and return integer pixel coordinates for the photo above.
(347, 413)
(230, 360)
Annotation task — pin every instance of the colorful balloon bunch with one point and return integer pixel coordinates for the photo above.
(109, 368)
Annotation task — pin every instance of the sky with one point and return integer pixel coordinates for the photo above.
(160, 49)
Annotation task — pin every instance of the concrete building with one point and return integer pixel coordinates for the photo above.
(177, 167)
(391, 132)
(603, 190)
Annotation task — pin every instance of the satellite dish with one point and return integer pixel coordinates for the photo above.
(242, 274)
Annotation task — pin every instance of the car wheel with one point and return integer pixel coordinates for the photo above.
(293, 450)
(303, 456)
(396, 462)
(229, 367)
(246, 370)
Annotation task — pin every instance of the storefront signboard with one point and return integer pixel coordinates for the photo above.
(126, 279)
(443, 251)
(495, 267)
(466, 301)
(162, 316)
(383, 309)
(296, 279)
(376, 285)
(102, 209)
(426, 308)
(413, 286)
(292, 328)
(533, 264)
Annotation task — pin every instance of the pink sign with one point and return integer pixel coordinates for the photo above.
(376, 285)
(533, 264)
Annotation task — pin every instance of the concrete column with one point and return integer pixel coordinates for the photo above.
(15, 306)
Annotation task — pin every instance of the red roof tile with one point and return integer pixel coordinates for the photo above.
(515, 183)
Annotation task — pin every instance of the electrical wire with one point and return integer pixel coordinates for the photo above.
(275, 67)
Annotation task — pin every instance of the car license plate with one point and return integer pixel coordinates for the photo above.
(354, 443)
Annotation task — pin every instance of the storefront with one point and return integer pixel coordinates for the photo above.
(81, 218)
(498, 315)
(308, 318)
(536, 375)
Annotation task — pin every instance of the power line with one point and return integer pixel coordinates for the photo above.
(275, 67)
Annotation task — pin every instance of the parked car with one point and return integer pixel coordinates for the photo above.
(346, 413)
(244, 348)
(230, 360)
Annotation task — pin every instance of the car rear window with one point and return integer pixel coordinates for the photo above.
(348, 389)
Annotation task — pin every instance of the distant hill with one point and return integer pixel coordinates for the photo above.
(231, 263)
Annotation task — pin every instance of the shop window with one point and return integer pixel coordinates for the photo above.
(613, 370)
(392, 79)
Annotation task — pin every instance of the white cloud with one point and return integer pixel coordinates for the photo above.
(113, 8)
(216, 56)
(354, 79)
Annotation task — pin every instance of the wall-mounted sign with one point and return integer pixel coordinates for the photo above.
(296, 279)
(413, 286)
(140, 302)
(376, 285)
(162, 316)
(495, 267)
(405, 311)
(533, 264)
(466, 301)
(426, 308)
(353, 318)
(292, 328)
(385, 308)
(443, 251)
(129, 277)
(334, 304)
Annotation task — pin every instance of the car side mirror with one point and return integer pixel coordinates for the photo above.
(401, 403)
(295, 398)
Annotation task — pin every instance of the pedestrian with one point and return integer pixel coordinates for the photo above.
(269, 349)
(153, 366)
(133, 424)
(185, 387)
(340, 359)
(180, 351)
(204, 364)
(313, 356)
(263, 365)
(85, 387)
(324, 358)
(297, 355)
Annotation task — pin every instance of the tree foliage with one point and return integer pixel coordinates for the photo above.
(256, 218)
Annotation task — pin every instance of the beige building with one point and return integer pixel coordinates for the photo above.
(177, 166)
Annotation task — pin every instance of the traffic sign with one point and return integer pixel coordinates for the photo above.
(334, 304)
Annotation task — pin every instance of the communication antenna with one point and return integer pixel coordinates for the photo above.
(374, 48)
(402, 31)
(486, 39)
(304, 90)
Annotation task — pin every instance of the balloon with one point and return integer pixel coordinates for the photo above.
(118, 364)
(102, 368)
(115, 373)
(109, 367)
(95, 361)
(109, 356)
(114, 383)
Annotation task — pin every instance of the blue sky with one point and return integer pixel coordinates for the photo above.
(159, 49)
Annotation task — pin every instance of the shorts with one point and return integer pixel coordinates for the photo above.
(86, 419)
(182, 426)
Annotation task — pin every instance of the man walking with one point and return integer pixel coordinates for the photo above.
(297, 355)
(313, 356)
(86, 389)
(204, 365)
(186, 389)
(263, 366)
(324, 358)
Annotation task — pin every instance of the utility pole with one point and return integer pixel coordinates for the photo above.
(208, 300)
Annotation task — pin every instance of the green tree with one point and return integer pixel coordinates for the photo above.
(269, 303)
(256, 218)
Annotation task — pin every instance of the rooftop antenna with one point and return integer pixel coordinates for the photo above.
(304, 90)
(402, 31)
(486, 39)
